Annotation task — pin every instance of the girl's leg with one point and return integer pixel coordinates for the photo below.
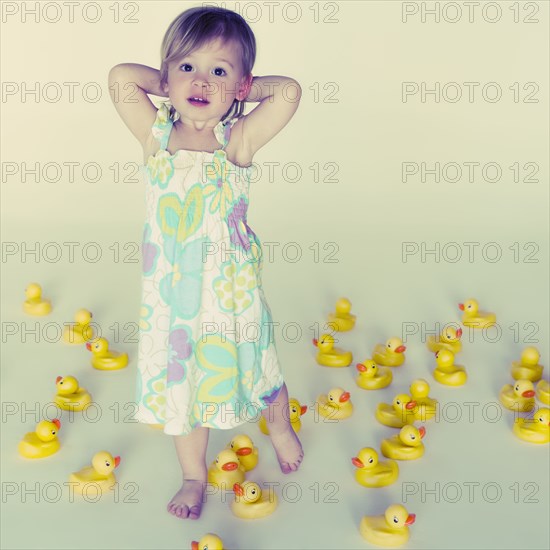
(191, 451)
(284, 439)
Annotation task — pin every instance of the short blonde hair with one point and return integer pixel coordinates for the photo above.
(199, 26)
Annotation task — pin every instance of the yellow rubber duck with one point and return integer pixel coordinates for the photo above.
(342, 320)
(426, 407)
(35, 304)
(371, 376)
(390, 354)
(536, 429)
(528, 368)
(80, 332)
(100, 473)
(210, 541)
(103, 359)
(520, 397)
(245, 451)
(391, 529)
(328, 355)
(71, 397)
(42, 442)
(398, 414)
(372, 473)
(449, 339)
(295, 412)
(446, 372)
(226, 470)
(474, 318)
(543, 392)
(251, 502)
(336, 405)
(406, 445)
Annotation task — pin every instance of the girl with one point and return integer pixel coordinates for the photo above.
(201, 261)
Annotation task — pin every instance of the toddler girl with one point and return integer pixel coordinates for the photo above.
(202, 297)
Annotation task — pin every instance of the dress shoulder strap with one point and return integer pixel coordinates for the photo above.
(163, 125)
(223, 131)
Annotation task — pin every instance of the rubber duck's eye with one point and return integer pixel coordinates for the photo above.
(398, 402)
(517, 387)
(395, 519)
(389, 346)
(107, 464)
(541, 419)
(413, 437)
(373, 366)
(371, 460)
(294, 409)
(331, 398)
(53, 432)
(217, 460)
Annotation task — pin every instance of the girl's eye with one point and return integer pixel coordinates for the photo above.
(219, 69)
(183, 67)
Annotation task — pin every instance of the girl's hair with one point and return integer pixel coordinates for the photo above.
(197, 27)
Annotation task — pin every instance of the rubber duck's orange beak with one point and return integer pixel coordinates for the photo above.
(344, 397)
(360, 367)
(230, 466)
(422, 432)
(303, 409)
(459, 333)
(88, 346)
(315, 341)
(528, 393)
(400, 349)
(238, 490)
(357, 462)
(411, 519)
(117, 461)
(58, 379)
(195, 545)
(243, 451)
(57, 423)
(410, 405)
(461, 307)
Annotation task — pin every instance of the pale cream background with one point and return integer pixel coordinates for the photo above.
(369, 213)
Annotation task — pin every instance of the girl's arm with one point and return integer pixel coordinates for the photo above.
(129, 84)
(279, 97)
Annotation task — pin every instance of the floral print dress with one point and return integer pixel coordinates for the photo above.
(207, 354)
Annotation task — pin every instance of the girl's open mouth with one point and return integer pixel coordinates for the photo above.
(198, 102)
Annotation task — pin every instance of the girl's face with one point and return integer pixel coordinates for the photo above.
(212, 73)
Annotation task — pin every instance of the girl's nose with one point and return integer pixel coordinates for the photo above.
(200, 80)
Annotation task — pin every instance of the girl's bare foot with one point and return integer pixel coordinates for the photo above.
(191, 451)
(187, 502)
(288, 449)
(283, 437)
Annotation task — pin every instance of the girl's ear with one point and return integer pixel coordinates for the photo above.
(245, 87)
